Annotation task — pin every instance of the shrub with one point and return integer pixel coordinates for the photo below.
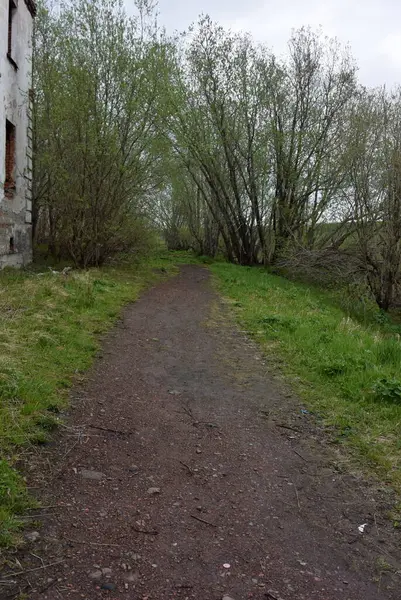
(388, 390)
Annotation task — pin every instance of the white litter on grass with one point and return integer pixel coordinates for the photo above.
(361, 528)
(227, 565)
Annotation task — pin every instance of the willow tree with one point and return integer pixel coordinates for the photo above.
(375, 192)
(309, 121)
(218, 136)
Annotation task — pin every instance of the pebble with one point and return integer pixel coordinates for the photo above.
(227, 598)
(32, 536)
(106, 571)
(96, 575)
(94, 475)
(153, 491)
(133, 555)
(109, 586)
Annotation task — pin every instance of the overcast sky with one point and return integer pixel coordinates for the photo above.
(372, 27)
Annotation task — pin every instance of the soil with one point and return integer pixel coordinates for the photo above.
(186, 470)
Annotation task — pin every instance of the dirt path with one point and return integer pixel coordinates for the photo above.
(207, 481)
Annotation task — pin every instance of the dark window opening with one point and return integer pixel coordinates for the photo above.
(12, 247)
(9, 184)
(12, 7)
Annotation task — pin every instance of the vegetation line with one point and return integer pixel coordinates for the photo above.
(346, 366)
(50, 332)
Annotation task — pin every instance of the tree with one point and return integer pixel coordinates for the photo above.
(97, 89)
(376, 191)
(309, 105)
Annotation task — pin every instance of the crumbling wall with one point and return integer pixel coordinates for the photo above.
(15, 107)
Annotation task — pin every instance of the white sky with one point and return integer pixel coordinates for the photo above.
(371, 27)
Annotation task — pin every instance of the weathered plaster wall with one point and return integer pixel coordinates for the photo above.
(15, 84)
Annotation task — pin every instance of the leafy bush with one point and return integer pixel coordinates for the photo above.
(388, 390)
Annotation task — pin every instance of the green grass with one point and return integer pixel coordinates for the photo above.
(346, 371)
(50, 329)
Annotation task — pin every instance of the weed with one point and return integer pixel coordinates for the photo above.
(14, 500)
(383, 566)
(388, 390)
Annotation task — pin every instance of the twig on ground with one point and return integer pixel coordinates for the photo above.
(45, 507)
(203, 521)
(297, 495)
(32, 570)
(17, 595)
(108, 430)
(299, 454)
(284, 426)
(259, 544)
(58, 471)
(187, 410)
(38, 557)
(48, 586)
(190, 471)
(377, 529)
(145, 531)
(380, 582)
(91, 543)
(355, 539)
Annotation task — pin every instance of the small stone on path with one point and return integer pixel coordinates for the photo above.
(153, 491)
(96, 575)
(109, 586)
(94, 475)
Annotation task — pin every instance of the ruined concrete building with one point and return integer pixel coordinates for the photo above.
(16, 28)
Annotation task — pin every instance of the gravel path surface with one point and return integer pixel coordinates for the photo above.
(187, 471)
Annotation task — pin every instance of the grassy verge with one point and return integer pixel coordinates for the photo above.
(347, 372)
(50, 327)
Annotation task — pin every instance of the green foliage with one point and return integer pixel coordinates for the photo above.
(14, 500)
(388, 390)
(345, 369)
(206, 260)
(97, 150)
(49, 334)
